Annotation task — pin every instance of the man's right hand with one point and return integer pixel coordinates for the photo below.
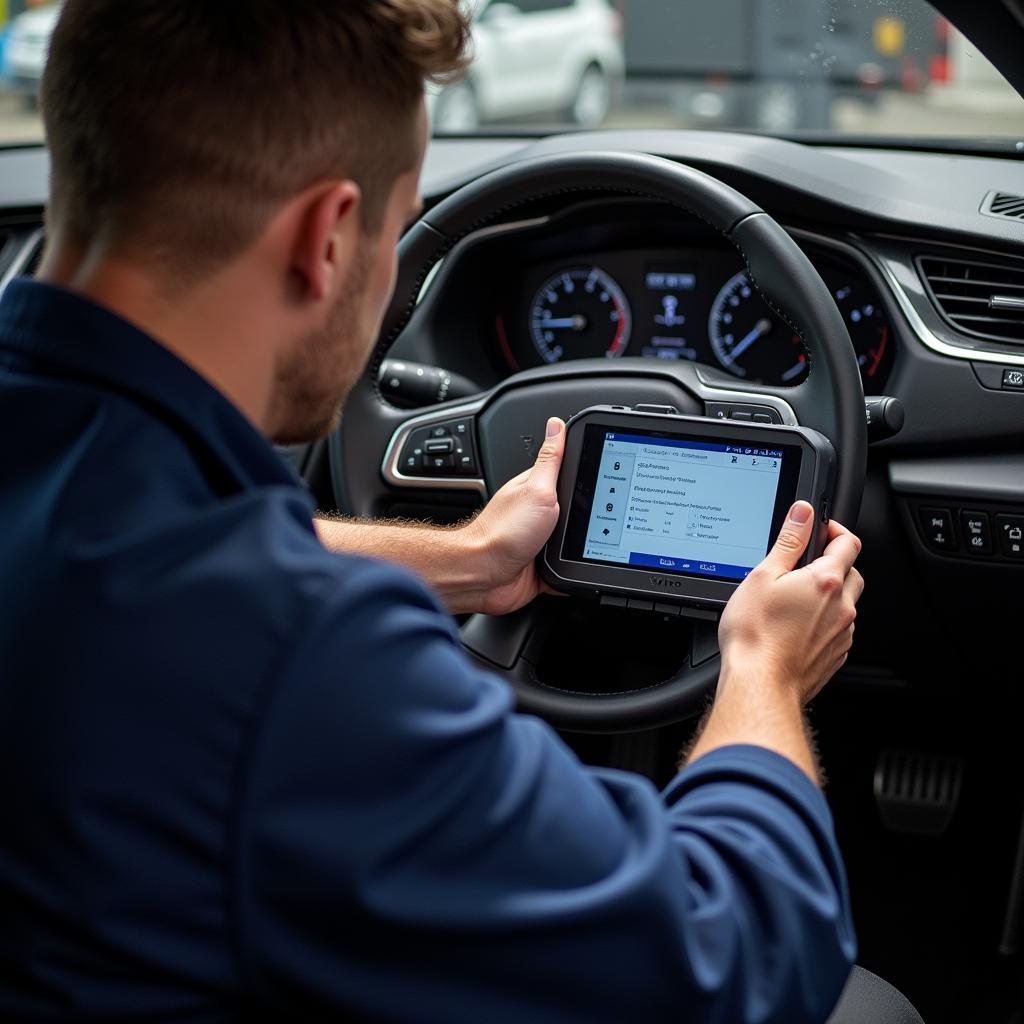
(791, 627)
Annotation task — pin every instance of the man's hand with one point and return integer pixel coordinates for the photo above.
(514, 526)
(783, 635)
(795, 625)
(486, 565)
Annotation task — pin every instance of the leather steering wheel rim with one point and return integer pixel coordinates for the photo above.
(830, 398)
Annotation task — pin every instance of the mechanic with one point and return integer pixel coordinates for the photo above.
(247, 769)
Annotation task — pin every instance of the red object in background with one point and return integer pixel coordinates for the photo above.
(938, 65)
(938, 68)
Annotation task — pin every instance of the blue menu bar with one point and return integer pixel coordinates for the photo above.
(704, 446)
(690, 565)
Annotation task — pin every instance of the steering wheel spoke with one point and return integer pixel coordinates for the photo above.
(437, 450)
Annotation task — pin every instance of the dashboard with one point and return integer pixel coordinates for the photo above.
(632, 279)
(680, 303)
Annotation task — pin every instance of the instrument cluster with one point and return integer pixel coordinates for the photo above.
(666, 304)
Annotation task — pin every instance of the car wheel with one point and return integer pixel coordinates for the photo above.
(593, 98)
(457, 109)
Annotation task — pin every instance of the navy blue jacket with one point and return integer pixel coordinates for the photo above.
(242, 775)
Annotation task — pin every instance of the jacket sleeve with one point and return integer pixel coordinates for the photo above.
(407, 848)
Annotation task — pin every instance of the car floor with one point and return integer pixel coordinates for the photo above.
(930, 910)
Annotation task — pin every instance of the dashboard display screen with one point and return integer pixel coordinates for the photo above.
(671, 314)
(676, 504)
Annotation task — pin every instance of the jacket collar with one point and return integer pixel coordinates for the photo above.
(49, 331)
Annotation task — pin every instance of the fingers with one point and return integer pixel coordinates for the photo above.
(837, 530)
(853, 587)
(544, 475)
(841, 552)
(792, 540)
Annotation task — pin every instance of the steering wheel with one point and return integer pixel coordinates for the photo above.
(378, 451)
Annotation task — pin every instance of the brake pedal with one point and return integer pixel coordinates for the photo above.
(917, 793)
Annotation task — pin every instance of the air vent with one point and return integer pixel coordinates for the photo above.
(1004, 204)
(983, 298)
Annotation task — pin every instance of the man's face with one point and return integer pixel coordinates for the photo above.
(315, 375)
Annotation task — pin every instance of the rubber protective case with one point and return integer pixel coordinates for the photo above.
(815, 484)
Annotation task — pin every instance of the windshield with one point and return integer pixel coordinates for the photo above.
(893, 68)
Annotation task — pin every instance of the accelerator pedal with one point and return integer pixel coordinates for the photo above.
(917, 793)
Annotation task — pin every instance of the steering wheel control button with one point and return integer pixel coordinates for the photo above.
(438, 450)
(744, 413)
(977, 532)
(437, 463)
(658, 410)
(937, 527)
(1010, 531)
(411, 462)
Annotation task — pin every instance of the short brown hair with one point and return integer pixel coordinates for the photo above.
(177, 127)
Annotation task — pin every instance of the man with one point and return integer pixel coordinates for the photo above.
(243, 774)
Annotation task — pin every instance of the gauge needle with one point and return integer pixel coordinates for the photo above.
(761, 328)
(577, 322)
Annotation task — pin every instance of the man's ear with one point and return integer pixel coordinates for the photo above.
(327, 237)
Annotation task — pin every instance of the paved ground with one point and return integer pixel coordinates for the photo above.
(955, 111)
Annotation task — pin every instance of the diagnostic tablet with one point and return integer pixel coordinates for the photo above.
(678, 509)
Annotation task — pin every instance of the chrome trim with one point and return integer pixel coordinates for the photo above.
(925, 335)
(394, 476)
(22, 259)
(1005, 302)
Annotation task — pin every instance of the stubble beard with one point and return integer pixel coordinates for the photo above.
(313, 380)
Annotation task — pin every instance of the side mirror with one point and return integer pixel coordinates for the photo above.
(500, 14)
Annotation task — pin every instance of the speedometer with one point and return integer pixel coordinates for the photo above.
(579, 313)
(749, 340)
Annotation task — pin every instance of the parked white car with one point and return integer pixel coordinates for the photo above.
(28, 43)
(533, 58)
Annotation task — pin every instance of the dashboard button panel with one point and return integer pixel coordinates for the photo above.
(981, 532)
(937, 528)
(1010, 531)
(977, 532)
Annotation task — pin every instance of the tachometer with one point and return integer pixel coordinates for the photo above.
(869, 332)
(749, 340)
(579, 313)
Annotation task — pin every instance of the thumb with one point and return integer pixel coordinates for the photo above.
(792, 540)
(544, 475)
